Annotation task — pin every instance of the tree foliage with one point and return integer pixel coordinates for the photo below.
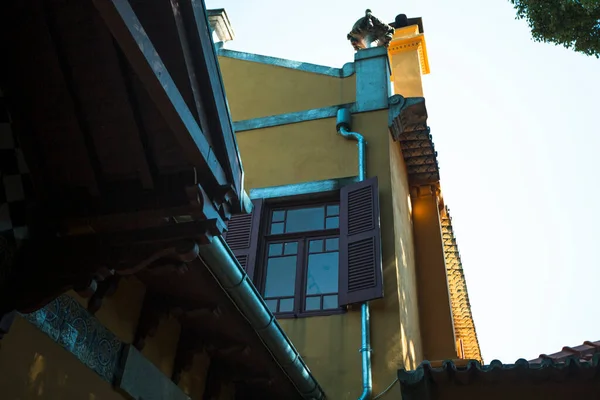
(574, 24)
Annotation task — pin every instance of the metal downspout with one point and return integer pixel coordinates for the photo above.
(344, 118)
(220, 261)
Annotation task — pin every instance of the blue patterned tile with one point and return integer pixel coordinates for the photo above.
(79, 332)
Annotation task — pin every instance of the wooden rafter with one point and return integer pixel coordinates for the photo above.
(213, 95)
(147, 63)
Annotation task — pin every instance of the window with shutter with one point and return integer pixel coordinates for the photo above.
(313, 257)
(361, 275)
(300, 264)
(242, 236)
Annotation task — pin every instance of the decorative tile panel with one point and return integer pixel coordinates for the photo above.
(80, 333)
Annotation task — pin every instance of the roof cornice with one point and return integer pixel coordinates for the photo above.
(407, 122)
(344, 72)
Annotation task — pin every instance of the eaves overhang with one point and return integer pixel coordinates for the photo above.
(408, 126)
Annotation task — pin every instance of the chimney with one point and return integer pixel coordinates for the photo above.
(220, 25)
(370, 38)
(408, 56)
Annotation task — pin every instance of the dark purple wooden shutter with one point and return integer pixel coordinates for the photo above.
(242, 236)
(361, 275)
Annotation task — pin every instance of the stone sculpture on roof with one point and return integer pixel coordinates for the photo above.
(370, 31)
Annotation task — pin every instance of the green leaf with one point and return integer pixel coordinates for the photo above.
(574, 24)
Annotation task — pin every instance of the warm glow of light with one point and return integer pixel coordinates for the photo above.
(37, 367)
(409, 201)
(404, 343)
(413, 356)
(404, 260)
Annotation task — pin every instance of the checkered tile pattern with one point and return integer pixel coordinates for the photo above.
(15, 186)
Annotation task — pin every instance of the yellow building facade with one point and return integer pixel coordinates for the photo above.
(289, 120)
(285, 118)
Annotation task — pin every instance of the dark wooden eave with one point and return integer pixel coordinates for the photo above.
(120, 110)
(121, 122)
(212, 323)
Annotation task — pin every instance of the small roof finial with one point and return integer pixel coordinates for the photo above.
(370, 31)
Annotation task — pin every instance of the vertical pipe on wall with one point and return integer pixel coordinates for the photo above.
(343, 127)
(344, 119)
(365, 349)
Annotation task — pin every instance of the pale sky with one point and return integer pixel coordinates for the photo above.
(516, 125)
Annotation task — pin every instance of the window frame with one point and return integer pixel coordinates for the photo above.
(303, 239)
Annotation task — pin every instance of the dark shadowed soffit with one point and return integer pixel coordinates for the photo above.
(549, 380)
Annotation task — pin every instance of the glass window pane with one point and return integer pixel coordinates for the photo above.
(333, 210)
(286, 305)
(332, 244)
(272, 304)
(305, 219)
(332, 222)
(322, 274)
(275, 249)
(276, 228)
(291, 248)
(313, 303)
(281, 276)
(278, 216)
(315, 246)
(330, 302)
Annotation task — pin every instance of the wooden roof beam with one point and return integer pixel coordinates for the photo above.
(146, 62)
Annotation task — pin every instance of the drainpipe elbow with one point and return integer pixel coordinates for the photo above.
(366, 394)
(361, 143)
(342, 130)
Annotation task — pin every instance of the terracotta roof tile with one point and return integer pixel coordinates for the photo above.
(464, 326)
(420, 156)
(584, 352)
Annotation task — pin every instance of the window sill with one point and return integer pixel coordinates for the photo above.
(306, 314)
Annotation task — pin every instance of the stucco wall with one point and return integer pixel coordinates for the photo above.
(120, 314)
(410, 333)
(33, 366)
(193, 381)
(311, 151)
(258, 90)
(121, 311)
(161, 347)
(406, 74)
(296, 153)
